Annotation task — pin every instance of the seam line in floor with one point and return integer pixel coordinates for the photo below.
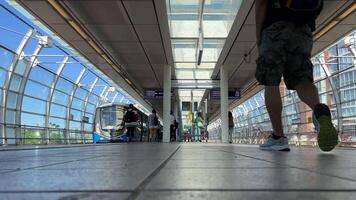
(149, 178)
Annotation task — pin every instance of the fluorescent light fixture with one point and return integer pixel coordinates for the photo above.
(336, 21)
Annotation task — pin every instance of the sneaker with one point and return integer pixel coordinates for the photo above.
(272, 144)
(327, 134)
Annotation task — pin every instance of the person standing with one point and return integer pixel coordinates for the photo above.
(199, 121)
(153, 126)
(284, 39)
(130, 120)
(231, 126)
(172, 128)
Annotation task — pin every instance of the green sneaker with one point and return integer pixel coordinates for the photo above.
(327, 134)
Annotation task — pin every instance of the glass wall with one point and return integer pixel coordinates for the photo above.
(49, 93)
(334, 76)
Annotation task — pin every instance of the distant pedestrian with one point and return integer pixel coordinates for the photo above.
(231, 126)
(153, 124)
(130, 119)
(172, 128)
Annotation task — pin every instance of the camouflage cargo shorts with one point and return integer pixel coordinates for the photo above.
(285, 51)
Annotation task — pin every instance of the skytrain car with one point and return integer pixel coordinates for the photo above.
(110, 126)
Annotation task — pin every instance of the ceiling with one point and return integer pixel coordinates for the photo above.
(135, 42)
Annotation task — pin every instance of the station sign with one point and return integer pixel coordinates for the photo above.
(154, 94)
(232, 94)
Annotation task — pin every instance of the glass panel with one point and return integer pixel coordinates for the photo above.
(99, 87)
(184, 50)
(58, 111)
(212, 49)
(90, 108)
(87, 80)
(90, 116)
(31, 136)
(10, 135)
(31, 46)
(56, 137)
(93, 99)
(218, 17)
(185, 65)
(72, 71)
(77, 104)
(10, 117)
(21, 66)
(13, 38)
(3, 76)
(41, 75)
(64, 86)
(184, 19)
(74, 125)
(53, 59)
(60, 98)
(32, 120)
(81, 93)
(36, 90)
(1, 103)
(6, 58)
(184, 74)
(15, 82)
(33, 105)
(11, 100)
(202, 74)
(206, 65)
(57, 122)
(77, 115)
(88, 127)
(75, 137)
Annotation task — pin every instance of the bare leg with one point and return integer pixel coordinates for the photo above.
(274, 107)
(308, 93)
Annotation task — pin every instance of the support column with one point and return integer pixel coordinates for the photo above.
(166, 103)
(224, 104)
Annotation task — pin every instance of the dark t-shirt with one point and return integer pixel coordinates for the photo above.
(274, 15)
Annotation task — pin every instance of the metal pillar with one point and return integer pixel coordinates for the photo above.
(6, 87)
(224, 104)
(166, 103)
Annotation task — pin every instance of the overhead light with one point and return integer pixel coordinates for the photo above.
(86, 37)
(347, 12)
(80, 31)
(326, 29)
(336, 20)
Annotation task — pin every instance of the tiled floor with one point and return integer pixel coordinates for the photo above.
(177, 171)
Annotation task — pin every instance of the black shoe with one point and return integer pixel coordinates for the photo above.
(327, 134)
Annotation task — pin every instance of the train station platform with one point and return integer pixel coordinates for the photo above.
(176, 171)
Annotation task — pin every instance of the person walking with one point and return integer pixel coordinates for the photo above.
(172, 128)
(130, 120)
(231, 126)
(284, 39)
(153, 126)
(199, 121)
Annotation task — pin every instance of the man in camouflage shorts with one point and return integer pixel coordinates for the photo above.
(284, 50)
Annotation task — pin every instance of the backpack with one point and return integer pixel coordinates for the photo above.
(300, 10)
(155, 121)
(130, 116)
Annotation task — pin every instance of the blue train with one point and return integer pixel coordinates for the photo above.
(110, 126)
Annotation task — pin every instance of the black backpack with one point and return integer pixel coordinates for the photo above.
(130, 116)
(300, 10)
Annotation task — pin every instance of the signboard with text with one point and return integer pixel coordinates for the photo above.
(232, 94)
(154, 94)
